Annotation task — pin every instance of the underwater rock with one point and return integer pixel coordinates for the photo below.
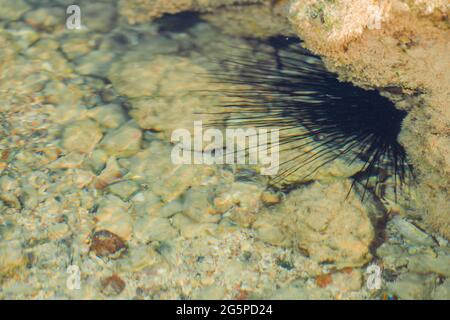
(112, 286)
(76, 46)
(140, 257)
(169, 181)
(81, 136)
(99, 16)
(124, 189)
(171, 208)
(46, 18)
(12, 256)
(324, 222)
(107, 244)
(268, 229)
(241, 200)
(190, 228)
(97, 159)
(430, 262)
(95, 63)
(13, 9)
(69, 161)
(58, 231)
(298, 290)
(113, 216)
(137, 11)
(147, 203)
(148, 228)
(111, 173)
(136, 78)
(124, 141)
(261, 20)
(109, 116)
(410, 232)
(198, 207)
(411, 286)
(165, 91)
(394, 256)
(347, 280)
(413, 39)
(213, 292)
(442, 292)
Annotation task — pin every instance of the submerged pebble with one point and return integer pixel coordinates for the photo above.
(107, 244)
(81, 136)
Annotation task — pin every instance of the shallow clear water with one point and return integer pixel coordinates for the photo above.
(93, 205)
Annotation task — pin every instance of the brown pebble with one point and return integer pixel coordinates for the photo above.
(324, 280)
(269, 198)
(112, 286)
(107, 244)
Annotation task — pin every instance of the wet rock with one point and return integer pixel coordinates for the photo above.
(97, 159)
(10, 200)
(109, 116)
(112, 215)
(442, 292)
(140, 257)
(147, 203)
(99, 16)
(112, 286)
(124, 189)
(171, 208)
(269, 198)
(269, 231)
(82, 178)
(430, 262)
(190, 229)
(76, 46)
(198, 207)
(11, 256)
(12, 9)
(58, 231)
(81, 136)
(124, 141)
(348, 280)
(167, 180)
(107, 244)
(242, 201)
(410, 232)
(298, 290)
(139, 74)
(394, 256)
(95, 63)
(8, 184)
(213, 292)
(326, 224)
(411, 286)
(111, 173)
(67, 97)
(149, 228)
(69, 161)
(46, 18)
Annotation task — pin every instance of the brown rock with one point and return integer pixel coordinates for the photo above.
(107, 244)
(112, 286)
